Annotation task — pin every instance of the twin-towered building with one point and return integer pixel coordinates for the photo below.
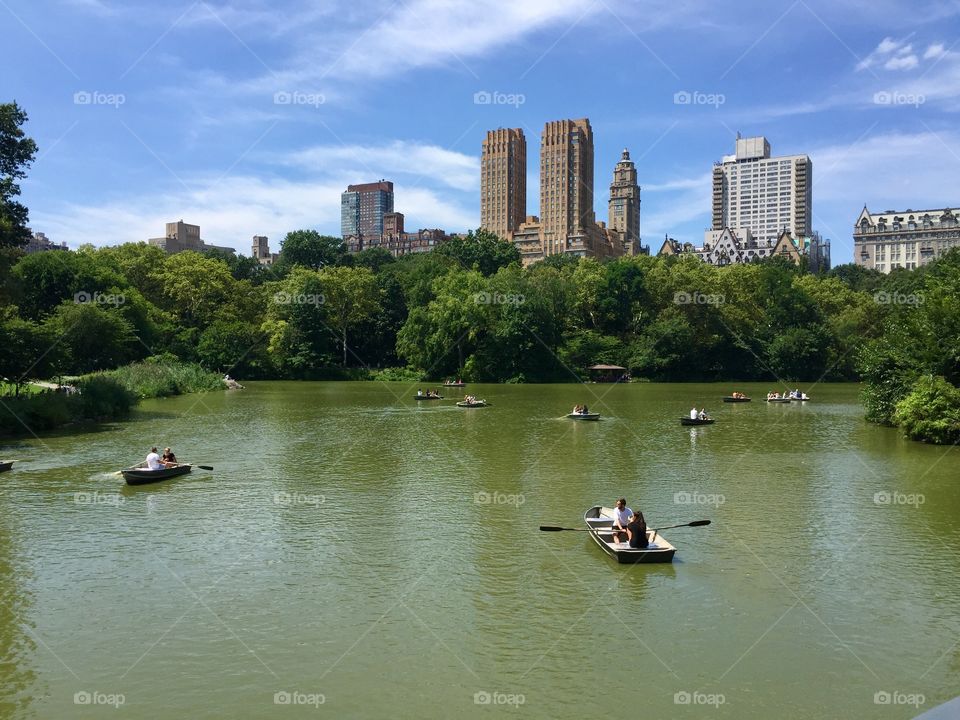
(567, 224)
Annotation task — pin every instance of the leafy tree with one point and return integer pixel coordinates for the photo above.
(350, 294)
(93, 338)
(195, 289)
(27, 350)
(234, 347)
(17, 152)
(931, 411)
(310, 249)
(481, 250)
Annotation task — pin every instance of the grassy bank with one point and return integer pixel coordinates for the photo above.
(103, 396)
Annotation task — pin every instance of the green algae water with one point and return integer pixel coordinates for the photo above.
(355, 555)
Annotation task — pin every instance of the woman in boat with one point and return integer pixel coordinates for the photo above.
(168, 459)
(637, 531)
(703, 414)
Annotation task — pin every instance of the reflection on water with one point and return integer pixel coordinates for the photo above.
(387, 557)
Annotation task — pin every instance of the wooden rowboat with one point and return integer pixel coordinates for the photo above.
(584, 416)
(696, 421)
(600, 521)
(428, 397)
(4, 466)
(474, 404)
(800, 399)
(779, 400)
(140, 475)
(456, 384)
(731, 399)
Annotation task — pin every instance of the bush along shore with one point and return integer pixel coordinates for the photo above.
(103, 396)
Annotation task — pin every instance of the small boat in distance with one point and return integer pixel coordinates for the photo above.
(778, 399)
(428, 397)
(140, 475)
(584, 416)
(736, 398)
(458, 383)
(473, 403)
(696, 421)
(599, 520)
(4, 466)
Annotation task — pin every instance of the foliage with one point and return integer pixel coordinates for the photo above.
(481, 251)
(16, 154)
(161, 377)
(930, 412)
(310, 249)
(398, 374)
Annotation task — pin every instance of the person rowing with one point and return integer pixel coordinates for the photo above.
(621, 518)
(153, 461)
(168, 459)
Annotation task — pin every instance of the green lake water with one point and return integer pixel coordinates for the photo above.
(355, 555)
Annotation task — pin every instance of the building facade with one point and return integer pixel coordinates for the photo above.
(261, 250)
(363, 206)
(503, 181)
(182, 236)
(907, 239)
(566, 181)
(766, 194)
(39, 242)
(739, 246)
(624, 205)
(399, 243)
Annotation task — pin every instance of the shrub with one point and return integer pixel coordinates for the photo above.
(397, 374)
(930, 412)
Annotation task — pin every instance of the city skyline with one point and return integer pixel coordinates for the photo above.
(250, 121)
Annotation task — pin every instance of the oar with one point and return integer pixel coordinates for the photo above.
(695, 523)
(555, 528)
(210, 467)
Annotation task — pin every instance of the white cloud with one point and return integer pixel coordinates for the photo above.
(901, 62)
(887, 47)
(934, 51)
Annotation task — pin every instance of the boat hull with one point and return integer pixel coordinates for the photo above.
(600, 519)
(454, 384)
(426, 397)
(471, 405)
(142, 476)
(4, 466)
(696, 421)
(584, 416)
(778, 400)
(736, 400)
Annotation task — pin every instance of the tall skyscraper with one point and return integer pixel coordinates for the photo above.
(764, 194)
(566, 182)
(362, 208)
(624, 207)
(503, 181)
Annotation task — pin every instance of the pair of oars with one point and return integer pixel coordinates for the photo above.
(555, 528)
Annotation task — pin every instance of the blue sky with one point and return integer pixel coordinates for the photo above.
(251, 117)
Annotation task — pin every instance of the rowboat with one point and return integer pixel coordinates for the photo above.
(799, 399)
(584, 416)
(4, 466)
(140, 475)
(428, 397)
(779, 400)
(456, 384)
(731, 399)
(474, 404)
(696, 421)
(600, 521)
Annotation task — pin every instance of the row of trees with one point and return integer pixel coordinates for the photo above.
(469, 309)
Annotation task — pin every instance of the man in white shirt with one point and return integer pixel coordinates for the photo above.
(621, 518)
(693, 413)
(153, 460)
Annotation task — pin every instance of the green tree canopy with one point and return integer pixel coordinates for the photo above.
(17, 152)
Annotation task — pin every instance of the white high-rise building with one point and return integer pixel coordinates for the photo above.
(765, 194)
